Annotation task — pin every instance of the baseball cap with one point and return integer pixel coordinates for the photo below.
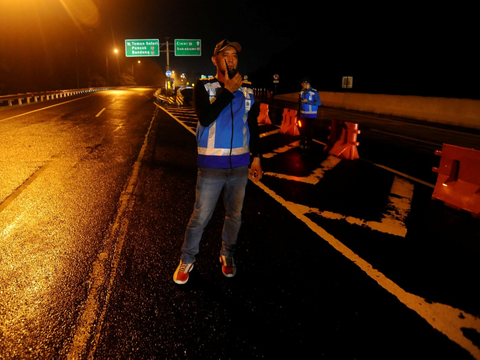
(224, 43)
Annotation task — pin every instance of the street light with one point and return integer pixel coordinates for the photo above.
(133, 74)
(106, 60)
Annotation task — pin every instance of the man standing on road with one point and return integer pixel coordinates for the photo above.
(227, 133)
(309, 101)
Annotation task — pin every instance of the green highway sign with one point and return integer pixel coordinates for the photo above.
(188, 47)
(142, 48)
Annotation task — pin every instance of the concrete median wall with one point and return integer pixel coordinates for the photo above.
(457, 112)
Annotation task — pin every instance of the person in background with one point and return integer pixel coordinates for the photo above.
(309, 101)
(227, 133)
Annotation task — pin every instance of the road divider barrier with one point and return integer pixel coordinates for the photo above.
(263, 118)
(335, 133)
(289, 124)
(342, 141)
(168, 99)
(458, 180)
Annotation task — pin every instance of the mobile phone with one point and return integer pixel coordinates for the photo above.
(231, 72)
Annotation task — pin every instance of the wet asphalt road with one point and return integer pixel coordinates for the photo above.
(92, 214)
(62, 172)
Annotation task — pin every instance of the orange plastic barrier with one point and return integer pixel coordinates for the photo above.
(335, 133)
(346, 145)
(458, 180)
(289, 123)
(263, 118)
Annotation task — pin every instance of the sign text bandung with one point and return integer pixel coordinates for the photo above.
(188, 47)
(139, 48)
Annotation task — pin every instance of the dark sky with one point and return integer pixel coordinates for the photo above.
(396, 48)
(259, 26)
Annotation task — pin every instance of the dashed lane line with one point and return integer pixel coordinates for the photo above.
(100, 113)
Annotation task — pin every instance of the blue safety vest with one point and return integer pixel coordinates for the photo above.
(309, 110)
(225, 142)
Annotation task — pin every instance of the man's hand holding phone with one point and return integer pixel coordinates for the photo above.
(233, 80)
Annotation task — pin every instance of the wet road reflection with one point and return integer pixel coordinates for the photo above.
(61, 173)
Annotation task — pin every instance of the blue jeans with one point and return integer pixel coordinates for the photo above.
(210, 183)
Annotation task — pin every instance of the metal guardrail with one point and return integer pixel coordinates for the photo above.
(27, 98)
(33, 97)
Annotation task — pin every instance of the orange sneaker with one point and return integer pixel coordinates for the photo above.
(181, 274)
(228, 266)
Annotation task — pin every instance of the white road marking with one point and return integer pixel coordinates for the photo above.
(393, 221)
(192, 131)
(100, 113)
(91, 319)
(398, 208)
(328, 164)
(281, 150)
(444, 318)
(400, 198)
(45, 108)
